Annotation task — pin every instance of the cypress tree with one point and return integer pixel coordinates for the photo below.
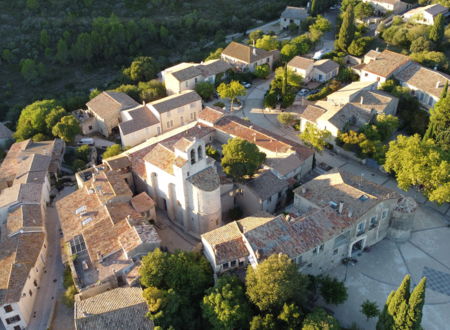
(444, 91)
(416, 302)
(437, 30)
(314, 7)
(347, 30)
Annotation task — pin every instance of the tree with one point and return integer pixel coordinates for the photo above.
(431, 59)
(214, 55)
(287, 77)
(286, 118)
(386, 125)
(205, 90)
(44, 38)
(437, 30)
(359, 46)
(241, 158)
(132, 91)
(31, 71)
(314, 7)
(262, 71)
(225, 305)
(288, 51)
(420, 44)
(255, 35)
(32, 4)
(62, 51)
(347, 30)
(439, 126)
(333, 291)
(267, 42)
(290, 315)
(83, 152)
(364, 10)
(151, 90)
(33, 117)
(231, 91)
(369, 309)
(67, 128)
(143, 68)
(320, 320)
(402, 309)
(420, 163)
(321, 24)
(112, 151)
(266, 322)
(53, 117)
(315, 137)
(274, 282)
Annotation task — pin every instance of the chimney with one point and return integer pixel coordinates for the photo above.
(143, 103)
(435, 68)
(362, 100)
(341, 207)
(377, 50)
(254, 51)
(303, 190)
(438, 84)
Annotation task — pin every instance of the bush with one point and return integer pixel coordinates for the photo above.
(67, 279)
(69, 296)
(83, 152)
(212, 152)
(219, 104)
(205, 90)
(78, 165)
(262, 71)
(112, 151)
(333, 291)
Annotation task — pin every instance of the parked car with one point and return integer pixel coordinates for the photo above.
(303, 92)
(318, 55)
(246, 84)
(88, 141)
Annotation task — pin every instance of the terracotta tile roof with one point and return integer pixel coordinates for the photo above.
(206, 180)
(162, 158)
(211, 114)
(430, 81)
(294, 13)
(183, 144)
(26, 193)
(107, 105)
(24, 216)
(118, 162)
(121, 211)
(285, 165)
(386, 63)
(137, 235)
(18, 256)
(142, 118)
(227, 243)
(120, 308)
(175, 101)
(326, 66)
(142, 202)
(245, 53)
(300, 62)
(266, 184)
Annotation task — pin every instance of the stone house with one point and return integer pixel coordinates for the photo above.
(292, 15)
(335, 216)
(106, 228)
(106, 108)
(349, 108)
(185, 76)
(154, 118)
(425, 15)
(381, 66)
(246, 58)
(384, 6)
(310, 70)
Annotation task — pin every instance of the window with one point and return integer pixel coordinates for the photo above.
(192, 156)
(17, 327)
(373, 222)
(233, 263)
(8, 309)
(225, 265)
(241, 263)
(13, 319)
(316, 250)
(321, 248)
(35, 283)
(200, 152)
(335, 251)
(30, 292)
(360, 229)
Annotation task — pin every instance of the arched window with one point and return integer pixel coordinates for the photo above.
(200, 152)
(193, 156)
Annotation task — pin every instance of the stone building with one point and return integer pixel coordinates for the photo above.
(334, 216)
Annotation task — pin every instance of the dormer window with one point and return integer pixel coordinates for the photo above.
(200, 152)
(192, 156)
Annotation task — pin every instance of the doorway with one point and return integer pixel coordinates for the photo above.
(357, 247)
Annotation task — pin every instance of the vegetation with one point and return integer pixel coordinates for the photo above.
(422, 164)
(225, 305)
(241, 158)
(347, 30)
(142, 68)
(437, 30)
(439, 126)
(205, 89)
(262, 71)
(112, 151)
(286, 118)
(403, 310)
(283, 88)
(369, 309)
(332, 290)
(231, 91)
(274, 282)
(319, 320)
(315, 137)
(71, 290)
(212, 152)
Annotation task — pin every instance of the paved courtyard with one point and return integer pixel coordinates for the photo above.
(381, 270)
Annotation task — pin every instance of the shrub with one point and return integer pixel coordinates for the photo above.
(333, 291)
(219, 104)
(69, 296)
(212, 152)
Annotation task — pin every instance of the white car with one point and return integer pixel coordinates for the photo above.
(318, 55)
(246, 84)
(303, 92)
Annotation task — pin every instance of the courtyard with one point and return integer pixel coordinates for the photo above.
(381, 270)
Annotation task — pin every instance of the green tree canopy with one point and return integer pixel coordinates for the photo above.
(231, 91)
(439, 126)
(143, 68)
(205, 90)
(333, 291)
(67, 128)
(315, 137)
(241, 158)
(290, 316)
(255, 35)
(320, 320)
(112, 151)
(32, 71)
(286, 118)
(151, 90)
(420, 163)
(369, 309)
(262, 71)
(225, 305)
(347, 30)
(266, 322)
(214, 55)
(437, 30)
(364, 10)
(274, 282)
(268, 42)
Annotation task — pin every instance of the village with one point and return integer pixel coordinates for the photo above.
(275, 159)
